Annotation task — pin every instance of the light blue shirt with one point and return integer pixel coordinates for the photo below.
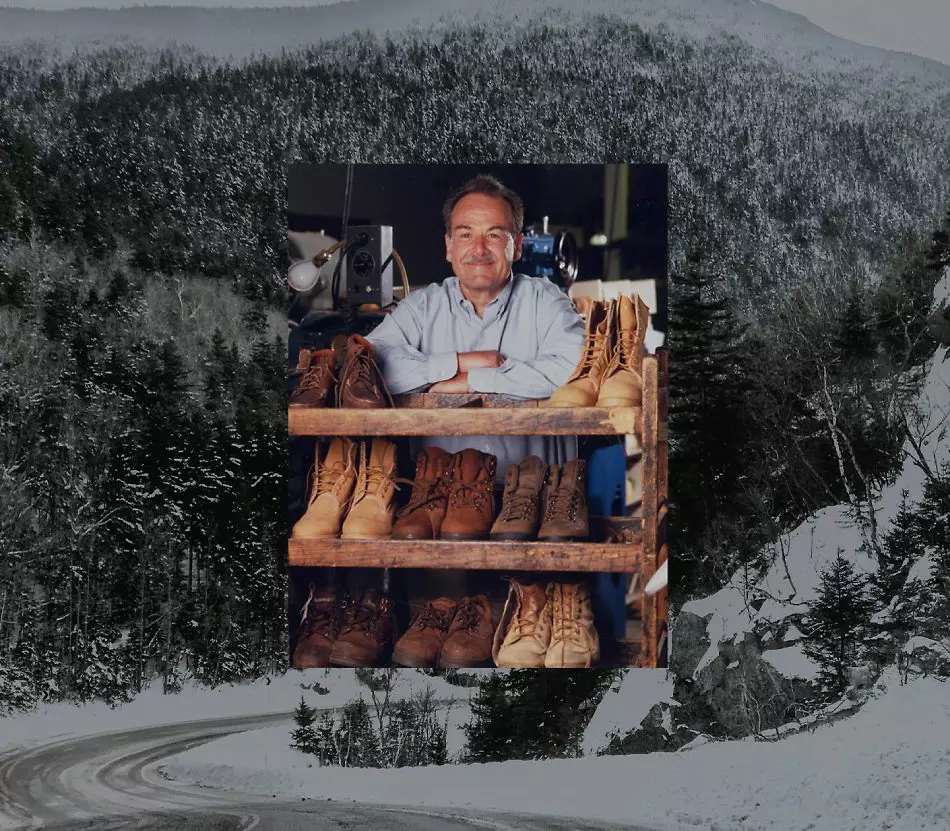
(531, 323)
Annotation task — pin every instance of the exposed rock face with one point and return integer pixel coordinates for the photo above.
(690, 642)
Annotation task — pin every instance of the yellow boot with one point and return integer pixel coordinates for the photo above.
(622, 384)
(373, 507)
(334, 478)
(582, 387)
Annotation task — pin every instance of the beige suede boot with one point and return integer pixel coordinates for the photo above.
(574, 641)
(373, 507)
(524, 633)
(622, 385)
(582, 387)
(334, 478)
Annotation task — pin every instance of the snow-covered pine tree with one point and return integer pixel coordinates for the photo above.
(304, 737)
(836, 624)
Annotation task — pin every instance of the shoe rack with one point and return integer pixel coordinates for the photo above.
(635, 544)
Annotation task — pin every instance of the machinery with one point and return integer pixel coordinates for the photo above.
(553, 256)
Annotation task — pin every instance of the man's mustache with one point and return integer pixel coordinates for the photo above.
(479, 260)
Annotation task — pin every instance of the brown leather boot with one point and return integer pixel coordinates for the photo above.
(565, 504)
(373, 506)
(521, 505)
(574, 642)
(582, 388)
(524, 633)
(471, 496)
(622, 385)
(469, 640)
(318, 630)
(333, 482)
(316, 379)
(422, 641)
(365, 638)
(361, 383)
(421, 517)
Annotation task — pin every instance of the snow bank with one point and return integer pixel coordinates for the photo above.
(886, 767)
(151, 709)
(792, 663)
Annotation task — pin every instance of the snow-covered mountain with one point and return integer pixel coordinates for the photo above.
(243, 32)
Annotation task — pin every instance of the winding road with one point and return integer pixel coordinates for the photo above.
(110, 781)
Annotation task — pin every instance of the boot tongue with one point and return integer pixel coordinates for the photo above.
(531, 471)
(471, 466)
(303, 360)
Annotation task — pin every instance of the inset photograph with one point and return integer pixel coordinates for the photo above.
(477, 406)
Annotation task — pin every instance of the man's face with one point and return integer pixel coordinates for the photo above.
(481, 244)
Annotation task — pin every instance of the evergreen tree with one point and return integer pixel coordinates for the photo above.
(304, 737)
(489, 733)
(837, 622)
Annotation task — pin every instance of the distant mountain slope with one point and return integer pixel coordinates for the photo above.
(240, 33)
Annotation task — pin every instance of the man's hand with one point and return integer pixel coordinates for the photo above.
(474, 360)
(457, 383)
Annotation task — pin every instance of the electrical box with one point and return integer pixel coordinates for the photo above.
(368, 265)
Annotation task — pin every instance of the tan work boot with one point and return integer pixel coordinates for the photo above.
(622, 385)
(361, 383)
(334, 479)
(471, 496)
(469, 640)
(521, 505)
(574, 642)
(524, 633)
(565, 503)
(318, 630)
(363, 641)
(582, 388)
(373, 506)
(422, 642)
(316, 379)
(421, 517)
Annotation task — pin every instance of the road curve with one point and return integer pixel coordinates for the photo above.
(101, 782)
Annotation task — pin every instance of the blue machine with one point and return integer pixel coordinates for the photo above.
(553, 256)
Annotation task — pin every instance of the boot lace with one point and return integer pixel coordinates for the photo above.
(555, 506)
(477, 494)
(526, 621)
(468, 615)
(520, 506)
(433, 618)
(566, 623)
(364, 368)
(366, 617)
(315, 376)
(318, 615)
(426, 493)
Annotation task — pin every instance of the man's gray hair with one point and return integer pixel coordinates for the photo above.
(490, 186)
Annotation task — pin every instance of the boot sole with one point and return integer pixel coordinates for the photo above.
(575, 538)
(614, 403)
(364, 537)
(351, 661)
(511, 537)
(464, 537)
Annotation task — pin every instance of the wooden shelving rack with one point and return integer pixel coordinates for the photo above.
(640, 542)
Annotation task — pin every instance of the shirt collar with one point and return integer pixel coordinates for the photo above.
(493, 309)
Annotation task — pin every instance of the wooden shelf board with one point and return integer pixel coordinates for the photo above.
(464, 421)
(504, 556)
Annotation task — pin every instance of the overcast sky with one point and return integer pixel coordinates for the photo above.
(919, 26)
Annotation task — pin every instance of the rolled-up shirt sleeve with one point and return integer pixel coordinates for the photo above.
(558, 353)
(396, 342)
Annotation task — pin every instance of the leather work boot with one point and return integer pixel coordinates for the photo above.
(361, 383)
(521, 505)
(574, 642)
(373, 506)
(622, 385)
(469, 640)
(318, 630)
(524, 634)
(366, 636)
(471, 496)
(422, 642)
(316, 379)
(421, 517)
(334, 479)
(565, 504)
(582, 388)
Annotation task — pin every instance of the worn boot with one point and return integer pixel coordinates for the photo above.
(469, 639)
(334, 479)
(363, 641)
(622, 385)
(471, 496)
(421, 517)
(315, 379)
(524, 633)
(422, 642)
(361, 383)
(521, 505)
(574, 642)
(318, 630)
(565, 504)
(582, 388)
(373, 504)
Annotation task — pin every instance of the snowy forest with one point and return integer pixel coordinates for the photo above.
(142, 355)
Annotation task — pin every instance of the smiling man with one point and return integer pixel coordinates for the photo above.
(486, 328)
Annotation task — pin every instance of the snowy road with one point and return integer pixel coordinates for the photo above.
(111, 781)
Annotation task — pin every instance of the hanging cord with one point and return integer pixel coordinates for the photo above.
(394, 256)
(347, 198)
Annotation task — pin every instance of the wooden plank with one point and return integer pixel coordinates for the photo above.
(523, 421)
(514, 556)
(445, 400)
(649, 510)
